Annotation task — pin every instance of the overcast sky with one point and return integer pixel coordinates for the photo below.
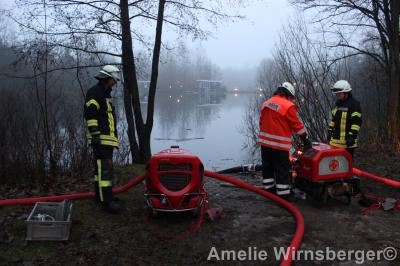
(243, 44)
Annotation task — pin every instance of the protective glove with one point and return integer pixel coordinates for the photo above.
(306, 142)
(95, 141)
(350, 141)
(329, 135)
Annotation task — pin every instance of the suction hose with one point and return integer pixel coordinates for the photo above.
(296, 241)
(386, 181)
(356, 171)
(242, 168)
(83, 195)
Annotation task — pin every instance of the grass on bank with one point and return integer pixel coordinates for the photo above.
(88, 225)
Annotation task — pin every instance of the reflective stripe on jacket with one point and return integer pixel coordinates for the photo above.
(278, 121)
(345, 121)
(100, 116)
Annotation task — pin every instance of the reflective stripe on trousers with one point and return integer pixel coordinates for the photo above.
(268, 183)
(283, 189)
(103, 177)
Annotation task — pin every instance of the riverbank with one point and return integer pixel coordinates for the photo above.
(248, 221)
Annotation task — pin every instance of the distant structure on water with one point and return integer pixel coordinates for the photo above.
(210, 91)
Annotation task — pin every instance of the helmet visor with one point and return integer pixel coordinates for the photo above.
(337, 90)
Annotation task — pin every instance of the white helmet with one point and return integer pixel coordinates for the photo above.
(288, 86)
(108, 71)
(341, 86)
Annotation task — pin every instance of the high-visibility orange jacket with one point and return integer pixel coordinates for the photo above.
(279, 120)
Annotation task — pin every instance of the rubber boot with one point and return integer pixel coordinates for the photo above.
(111, 207)
(108, 205)
(289, 197)
(271, 190)
(96, 192)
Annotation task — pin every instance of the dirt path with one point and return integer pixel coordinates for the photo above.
(249, 221)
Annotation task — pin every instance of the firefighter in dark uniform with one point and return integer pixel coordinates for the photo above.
(279, 120)
(346, 120)
(102, 134)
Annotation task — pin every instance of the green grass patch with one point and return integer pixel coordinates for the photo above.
(93, 232)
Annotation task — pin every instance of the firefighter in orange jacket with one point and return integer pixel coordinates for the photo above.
(278, 121)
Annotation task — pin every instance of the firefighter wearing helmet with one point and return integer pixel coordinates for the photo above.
(102, 134)
(345, 122)
(279, 120)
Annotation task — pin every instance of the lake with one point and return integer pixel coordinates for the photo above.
(208, 126)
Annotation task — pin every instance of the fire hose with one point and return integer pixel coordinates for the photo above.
(295, 243)
(86, 195)
(387, 181)
(356, 171)
(83, 195)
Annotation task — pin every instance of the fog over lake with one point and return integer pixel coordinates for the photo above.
(209, 127)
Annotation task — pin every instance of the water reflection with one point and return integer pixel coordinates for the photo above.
(205, 122)
(183, 116)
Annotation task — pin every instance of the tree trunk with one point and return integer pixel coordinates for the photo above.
(131, 86)
(394, 105)
(145, 149)
(153, 81)
(134, 147)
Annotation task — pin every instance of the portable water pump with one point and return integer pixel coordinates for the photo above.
(324, 172)
(174, 182)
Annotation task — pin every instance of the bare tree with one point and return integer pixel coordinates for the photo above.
(378, 20)
(307, 64)
(117, 22)
(33, 149)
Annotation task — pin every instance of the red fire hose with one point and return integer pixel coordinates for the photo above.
(386, 181)
(83, 195)
(296, 241)
(86, 195)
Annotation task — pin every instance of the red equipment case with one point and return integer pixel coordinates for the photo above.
(325, 172)
(324, 162)
(175, 181)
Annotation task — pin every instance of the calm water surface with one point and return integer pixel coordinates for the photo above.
(208, 126)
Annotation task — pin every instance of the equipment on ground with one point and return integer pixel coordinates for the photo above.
(50, 221)
(324, 172)
(174, 182)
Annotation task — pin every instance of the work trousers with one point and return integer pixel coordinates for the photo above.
(351, 151)
(276, 170)
(103, 173)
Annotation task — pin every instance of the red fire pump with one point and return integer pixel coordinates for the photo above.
(324, 172)
(174, 182)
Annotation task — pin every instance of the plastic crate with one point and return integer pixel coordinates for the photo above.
(49, 221)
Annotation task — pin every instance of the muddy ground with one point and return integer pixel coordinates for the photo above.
(133, 238)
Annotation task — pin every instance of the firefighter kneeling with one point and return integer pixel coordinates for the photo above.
(278, 121)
